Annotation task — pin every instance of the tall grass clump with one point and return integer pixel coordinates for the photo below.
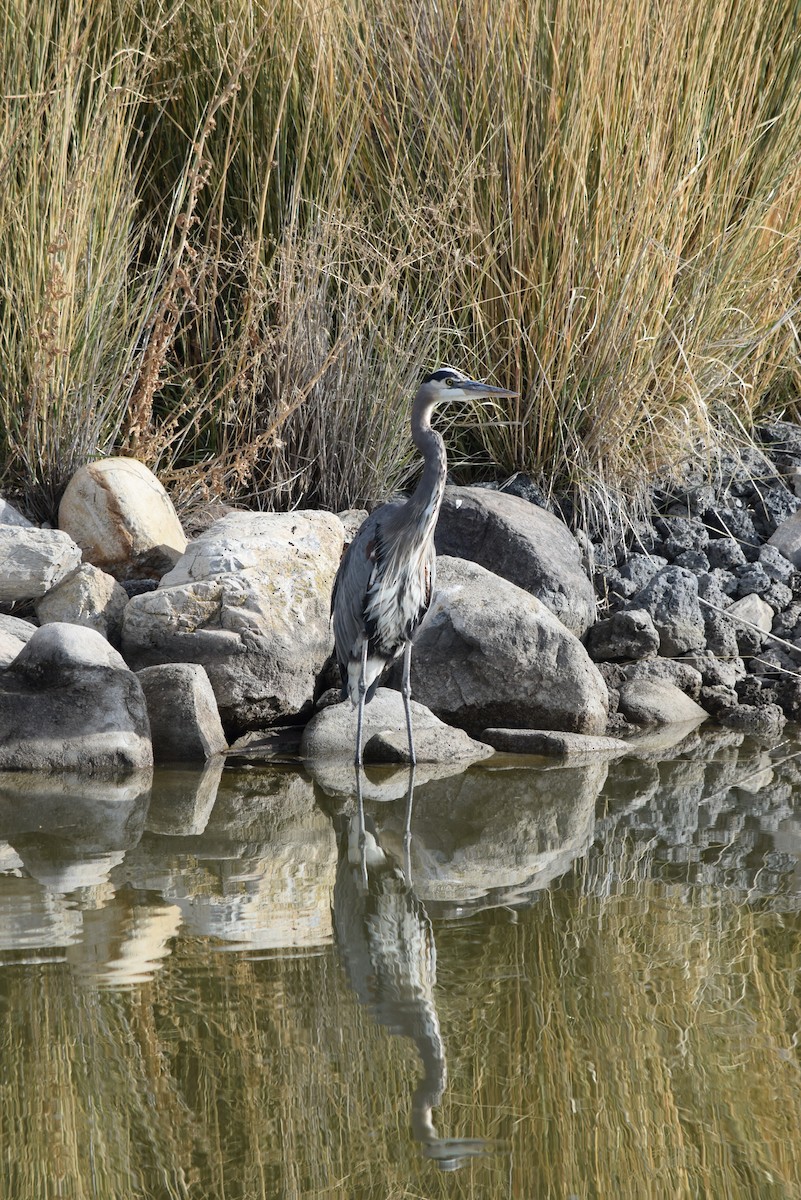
(240, 234)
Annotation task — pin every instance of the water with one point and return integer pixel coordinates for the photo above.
(583, 983)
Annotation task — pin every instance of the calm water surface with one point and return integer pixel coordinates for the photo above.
(579, 982)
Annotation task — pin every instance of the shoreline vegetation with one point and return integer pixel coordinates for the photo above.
(233, 238)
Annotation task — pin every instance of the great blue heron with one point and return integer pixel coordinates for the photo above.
(386, 578)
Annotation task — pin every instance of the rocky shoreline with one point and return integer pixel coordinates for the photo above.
(123, 643)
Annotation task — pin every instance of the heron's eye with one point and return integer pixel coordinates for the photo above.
(449, 382)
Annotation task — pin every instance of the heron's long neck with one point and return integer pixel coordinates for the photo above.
(427, 496)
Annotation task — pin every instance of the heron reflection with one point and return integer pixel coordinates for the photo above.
(386, 943)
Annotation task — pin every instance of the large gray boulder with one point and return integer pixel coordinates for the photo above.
(122, 519)
(522, 543)
(32, 561)
(69, 703)
(86, 597)
(250, 601)
(491, 655)
(671, 598)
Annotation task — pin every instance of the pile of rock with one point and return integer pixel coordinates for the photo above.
(707, 594)
(136, 643)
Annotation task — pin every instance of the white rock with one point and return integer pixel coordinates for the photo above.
(657, 702)
(122, 518)
(14, 633)
(32, 561)
(10, 516)
(250, 601)
(88, 597)
(754, 611)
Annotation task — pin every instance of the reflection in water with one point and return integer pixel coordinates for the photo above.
(617, 981)
(386, 943)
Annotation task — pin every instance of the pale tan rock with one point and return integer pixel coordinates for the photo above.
(122, 519)
(88, 597)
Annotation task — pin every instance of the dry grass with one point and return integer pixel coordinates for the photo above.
(233, 236)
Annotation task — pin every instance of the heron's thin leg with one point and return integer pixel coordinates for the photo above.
(406, 692)
(360, 713)
(362, 833)
(407, 829)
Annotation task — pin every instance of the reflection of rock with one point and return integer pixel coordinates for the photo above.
(183, 799)
(381, 783)
(711, 817)
(123, 944)
(488, 837)
(70, 832)
(33, 919)
(260, 874)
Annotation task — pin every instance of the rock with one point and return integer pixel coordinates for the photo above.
(14, 633)
(774, 564)
(10, 516)
(523, 485)
(352, 519)
(122, 519)
(249, 601)
(694, 560)
(715, 698)
(725, 552)
(628, 634)
(490, 654)
(752, 578)
(184, 721)
(733, 521)
(87, 597)
(765, 722)
(553, 744)
(721, 634)
(787, 539)
(521, 543)
(717, 672)
(640, 569)
(772, 507)
(682, 675)
(679, 534)
(778, 596)
(656, 702)
(32, 561)
(181, 804)
(753, 620)
(69, 702)
(331, 734)
(671, 598)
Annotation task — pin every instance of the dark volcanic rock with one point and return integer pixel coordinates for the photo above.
(725, 552)
(671, 598)
(625, 635)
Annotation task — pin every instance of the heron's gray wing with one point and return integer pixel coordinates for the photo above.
(350, 590)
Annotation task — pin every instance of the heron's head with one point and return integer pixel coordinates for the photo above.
(449, 384)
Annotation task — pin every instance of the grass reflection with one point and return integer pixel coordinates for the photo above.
(636, 1043)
